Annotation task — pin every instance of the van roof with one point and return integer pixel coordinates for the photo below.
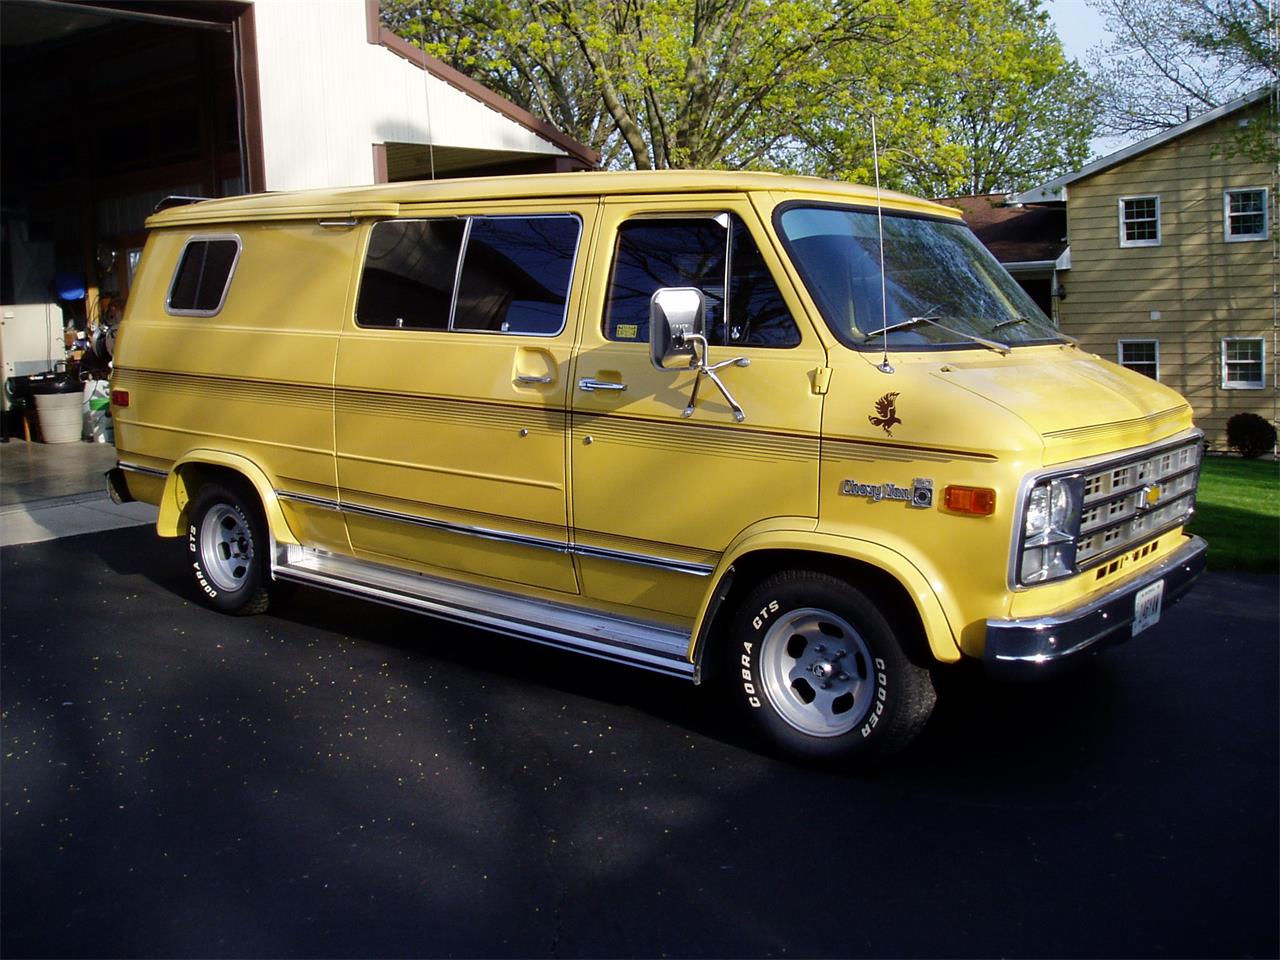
(386, 200)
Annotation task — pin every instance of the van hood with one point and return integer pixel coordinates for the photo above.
(1077, 402)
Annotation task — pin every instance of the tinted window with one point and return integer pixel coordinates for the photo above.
(203, 275)
(697, 252)
(515, 274)
(758, 317)
(409, 273)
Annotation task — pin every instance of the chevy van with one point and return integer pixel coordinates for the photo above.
(789, 433)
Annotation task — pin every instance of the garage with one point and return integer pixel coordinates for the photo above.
(111, 107)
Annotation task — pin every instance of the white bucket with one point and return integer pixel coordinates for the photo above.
(60, 417)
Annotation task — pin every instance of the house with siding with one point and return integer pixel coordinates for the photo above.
(1171, 268)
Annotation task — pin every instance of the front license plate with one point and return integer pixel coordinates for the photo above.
(1146, 606)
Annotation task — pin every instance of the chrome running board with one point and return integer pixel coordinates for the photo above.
(636, 643)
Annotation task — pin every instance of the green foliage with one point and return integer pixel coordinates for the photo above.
(651, 83)
(1238, 512)
(970, 95)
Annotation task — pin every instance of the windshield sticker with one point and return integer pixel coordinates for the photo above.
(919, 494)
(887, 407)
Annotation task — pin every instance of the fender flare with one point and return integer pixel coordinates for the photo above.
(771, 536)
(173, 501)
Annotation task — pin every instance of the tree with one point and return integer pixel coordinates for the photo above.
(975, 96)
(971, 95)
(1170, 59)
(656, 83)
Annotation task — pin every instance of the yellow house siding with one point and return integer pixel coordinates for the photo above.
(1190, 291)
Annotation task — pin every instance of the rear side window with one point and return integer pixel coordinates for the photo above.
(715, 254)
(203, 276)
(483, 274)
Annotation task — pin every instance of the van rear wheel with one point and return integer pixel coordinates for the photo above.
(820, 672)
(227, 546)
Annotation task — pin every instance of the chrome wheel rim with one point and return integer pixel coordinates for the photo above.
(226, 547)
(817, 672)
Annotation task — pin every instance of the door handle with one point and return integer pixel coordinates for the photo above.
(590, 385)
(532, 379)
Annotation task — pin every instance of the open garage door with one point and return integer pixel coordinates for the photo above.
(107, 109)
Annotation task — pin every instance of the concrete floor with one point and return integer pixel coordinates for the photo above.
(53, 490)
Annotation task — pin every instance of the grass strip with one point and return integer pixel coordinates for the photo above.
(1238, 513)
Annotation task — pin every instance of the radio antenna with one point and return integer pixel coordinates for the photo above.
(883, 366)
(426, 96)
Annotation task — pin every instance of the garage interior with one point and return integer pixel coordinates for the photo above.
(106, 112)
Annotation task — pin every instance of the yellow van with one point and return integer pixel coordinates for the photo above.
(770, 429)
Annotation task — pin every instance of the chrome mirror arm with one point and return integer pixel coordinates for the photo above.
(698, 362)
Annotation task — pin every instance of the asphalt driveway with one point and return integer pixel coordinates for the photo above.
(337, 779)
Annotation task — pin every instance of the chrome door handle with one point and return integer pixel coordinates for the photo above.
(531, 379)
(590, 384)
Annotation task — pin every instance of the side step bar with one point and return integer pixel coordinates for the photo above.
(636, 643)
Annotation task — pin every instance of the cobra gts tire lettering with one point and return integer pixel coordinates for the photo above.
(748, 684)
(765, 613)
(195, 565)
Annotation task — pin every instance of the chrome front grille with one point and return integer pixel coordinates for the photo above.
(1130, 500)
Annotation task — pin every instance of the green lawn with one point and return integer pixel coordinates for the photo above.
(1238, 512)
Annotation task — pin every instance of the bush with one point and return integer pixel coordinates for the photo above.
(1250, 435)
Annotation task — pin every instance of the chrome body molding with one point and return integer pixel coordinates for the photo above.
(637, 643)
(1031, 646)
(138, 468)
(642, 560)
(485, 533)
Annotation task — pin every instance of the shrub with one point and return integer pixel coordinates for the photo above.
(1250, 435)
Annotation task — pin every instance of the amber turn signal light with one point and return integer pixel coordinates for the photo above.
(975, 501)
(119, 398)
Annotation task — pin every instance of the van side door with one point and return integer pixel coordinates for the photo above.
(451, 389)
(657, 495)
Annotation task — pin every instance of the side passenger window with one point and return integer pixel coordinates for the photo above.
(515, 274)
(487, 274)
(409, 273)
(716, 254)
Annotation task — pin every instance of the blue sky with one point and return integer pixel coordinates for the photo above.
(1080, 27)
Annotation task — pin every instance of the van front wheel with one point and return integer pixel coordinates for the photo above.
(819, 672)
(226, 546)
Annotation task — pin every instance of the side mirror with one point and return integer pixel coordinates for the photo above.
(677, 316)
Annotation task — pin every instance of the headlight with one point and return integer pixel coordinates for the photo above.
(1051, 524)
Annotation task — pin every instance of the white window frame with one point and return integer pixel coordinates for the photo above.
(1266, 215)
(1121, 344)
(1120, 215)
(1262, 365)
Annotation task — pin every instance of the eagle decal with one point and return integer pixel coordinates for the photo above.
(886, 406)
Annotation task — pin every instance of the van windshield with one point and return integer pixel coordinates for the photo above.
(942, 286)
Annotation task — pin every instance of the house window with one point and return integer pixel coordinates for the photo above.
(1141, 356)
(1243, 363)
(1139, 221)
(1244, 214)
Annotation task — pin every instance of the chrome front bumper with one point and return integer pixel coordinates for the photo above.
(1031, 646)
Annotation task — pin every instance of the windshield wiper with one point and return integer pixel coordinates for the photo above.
(1010, 322)
(1000, 348)
(1020, 319)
